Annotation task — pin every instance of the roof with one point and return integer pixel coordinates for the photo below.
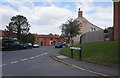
(84, 20)
(48, 36)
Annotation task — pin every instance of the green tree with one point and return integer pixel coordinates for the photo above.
(50, 34)
(31, 38)
(27, 38)
(71, 29)
(19, 25)
(9, 33)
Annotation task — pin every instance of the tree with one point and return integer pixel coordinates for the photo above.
(9, 34)
(71, 29)
(29, 38)
(19, 25)
(50, 34)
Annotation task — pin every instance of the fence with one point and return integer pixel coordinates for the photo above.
(97, 36)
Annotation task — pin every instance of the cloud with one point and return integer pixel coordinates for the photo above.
(41, 18)
(6, 12)
(51, 15)
(98, 15)
(47, 19)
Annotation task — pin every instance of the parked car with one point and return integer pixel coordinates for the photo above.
(27, 45)
(11, 45)
(58, 45)
(21, 46)
(30, 45)
(35, 45)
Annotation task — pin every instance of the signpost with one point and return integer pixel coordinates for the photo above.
(76, 48)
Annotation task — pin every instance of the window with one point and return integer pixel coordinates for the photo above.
(93, 29)
(37, 39)
(51, 38)
(44, 38)
(54, 42)
(45, 42)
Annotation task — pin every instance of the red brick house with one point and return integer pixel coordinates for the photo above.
(48, 40)
(1, 34)
(4, 34)
(116, 20)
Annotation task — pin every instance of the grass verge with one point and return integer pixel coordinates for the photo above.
(99, 52)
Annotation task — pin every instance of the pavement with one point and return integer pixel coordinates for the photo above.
(93, 68)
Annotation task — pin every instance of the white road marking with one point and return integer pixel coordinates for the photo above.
(37, 56)
(24, 59)
(81, 68)
(78, 67)
(42, 54)
(31, 57)
(14, 62)
(4, 64)
(45, 53)
(89, 70)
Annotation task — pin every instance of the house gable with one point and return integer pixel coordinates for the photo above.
(86, 26)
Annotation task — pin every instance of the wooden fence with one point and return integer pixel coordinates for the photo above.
(96, 36)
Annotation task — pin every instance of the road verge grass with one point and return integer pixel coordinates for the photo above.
(98, 52)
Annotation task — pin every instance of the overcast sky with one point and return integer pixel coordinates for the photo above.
(46, 16)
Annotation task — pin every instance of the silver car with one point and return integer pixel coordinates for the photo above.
(35, 45)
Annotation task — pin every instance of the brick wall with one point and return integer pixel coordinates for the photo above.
(117, 21)
(48, 40)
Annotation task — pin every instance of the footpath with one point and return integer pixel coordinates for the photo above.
(94, 68)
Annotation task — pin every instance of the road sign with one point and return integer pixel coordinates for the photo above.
(76, 48)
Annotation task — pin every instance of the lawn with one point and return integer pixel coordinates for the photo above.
(99, 52)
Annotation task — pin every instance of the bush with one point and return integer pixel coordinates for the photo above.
(105, 31)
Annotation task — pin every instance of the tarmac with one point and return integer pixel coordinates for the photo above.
(95, 68)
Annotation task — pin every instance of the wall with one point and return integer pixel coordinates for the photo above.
(117, 21)
(97, 36)
(47, 41)
(50, 40)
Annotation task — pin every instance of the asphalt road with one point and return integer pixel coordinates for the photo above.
(36, 62)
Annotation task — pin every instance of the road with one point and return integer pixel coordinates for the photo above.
(36, 62)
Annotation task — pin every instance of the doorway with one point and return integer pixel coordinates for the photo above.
(41, 43)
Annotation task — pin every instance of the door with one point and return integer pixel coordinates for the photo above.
(41, 43)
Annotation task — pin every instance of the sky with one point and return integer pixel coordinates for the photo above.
(46, 16)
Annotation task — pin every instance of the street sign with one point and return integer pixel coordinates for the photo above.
(76, 48)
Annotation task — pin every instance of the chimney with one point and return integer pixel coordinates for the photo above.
(79, 13)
